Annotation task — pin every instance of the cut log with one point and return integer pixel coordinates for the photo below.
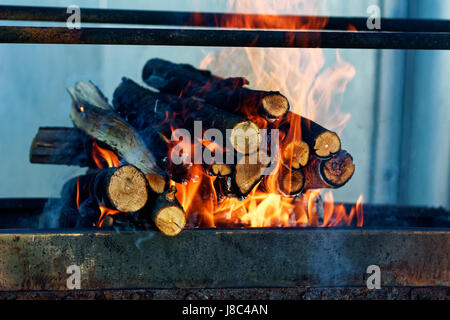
(56, 145)
(109, 128)
(284, 181)
(227, 94)
(331, 173)
(247, 173)
(290, 182)
(323, 142)
(123, 189)
(157, 182)
(144, 108)
(166, 213)
(295, 154)
(221, 169)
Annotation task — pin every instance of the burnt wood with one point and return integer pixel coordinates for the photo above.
(58, 145)
(227, 94)
(144, 109)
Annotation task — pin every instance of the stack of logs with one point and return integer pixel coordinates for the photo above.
(138, 129)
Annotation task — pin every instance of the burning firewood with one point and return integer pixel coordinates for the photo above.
(331, 173)
(323, 142)
(284, 181)
(247, 173)
(295, 154)
(227, 94)
(166, 213)
(121, 188)
(290, 182)
(187, 81)
(141, 107)
(109, 128)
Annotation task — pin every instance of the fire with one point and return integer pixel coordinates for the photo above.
(78, 194)
(312, 89)
(101, 155)
(104, 212)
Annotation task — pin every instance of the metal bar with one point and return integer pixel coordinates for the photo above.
(210, 258)
(230, 20)
(227, 38)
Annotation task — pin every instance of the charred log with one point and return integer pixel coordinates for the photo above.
(331, 173)
(323, 142)
(55, 145)
(144, 108)
(227, 94)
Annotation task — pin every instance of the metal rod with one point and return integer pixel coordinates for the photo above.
(230, 20)
(227, 38)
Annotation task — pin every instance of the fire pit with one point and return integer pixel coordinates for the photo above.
(152, 218)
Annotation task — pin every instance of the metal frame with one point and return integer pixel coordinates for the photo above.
(396, 33)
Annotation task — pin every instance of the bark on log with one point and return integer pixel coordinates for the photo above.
(227, 94)
(144, 108)
(332, 173)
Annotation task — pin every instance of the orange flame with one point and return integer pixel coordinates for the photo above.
(101, 155)
(78, 193)
(104, 212)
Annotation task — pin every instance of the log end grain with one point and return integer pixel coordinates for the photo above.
(170, 220)
(290, 183)
(338, 170)
(326, 144)
(274, 104)
(156, 182)
(127, 189)
(245, 137)
(296, 154)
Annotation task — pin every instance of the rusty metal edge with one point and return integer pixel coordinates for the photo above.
(213, 258)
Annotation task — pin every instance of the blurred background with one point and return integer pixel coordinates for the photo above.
(394, 104)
